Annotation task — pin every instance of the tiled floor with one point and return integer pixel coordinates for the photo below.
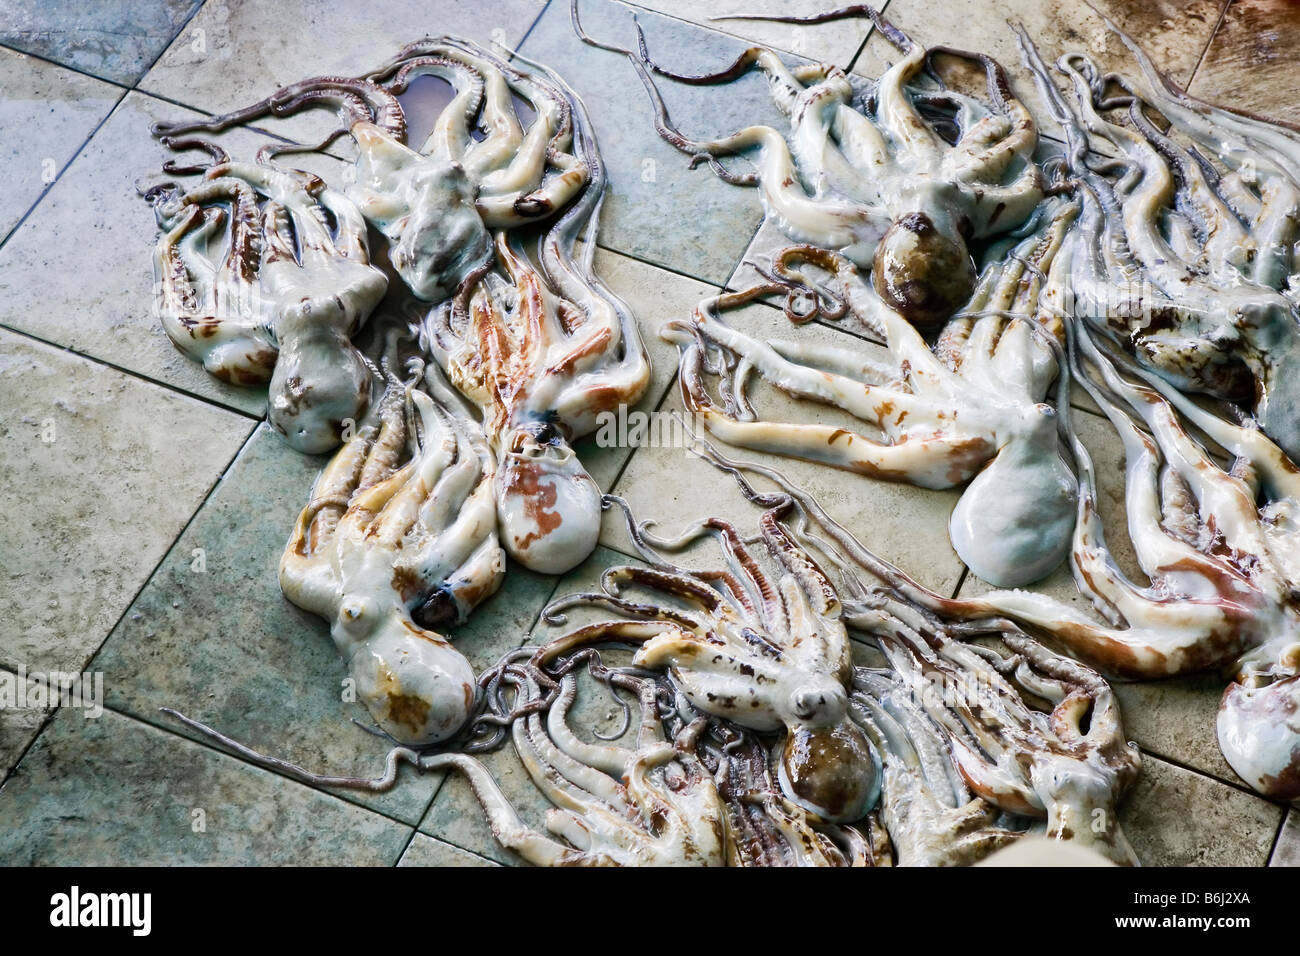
(145, 507)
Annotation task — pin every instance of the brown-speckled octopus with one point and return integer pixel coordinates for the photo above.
(264, 276)
(542, 350)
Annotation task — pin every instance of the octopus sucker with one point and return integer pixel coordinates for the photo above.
(875, 179)
(973, 406)
(399, 537)
(263, 275)
(543, 350)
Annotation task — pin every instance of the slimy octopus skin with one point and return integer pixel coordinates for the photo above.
(899, 184)
(397, 544)
(281, 302)
(437, 205)
(543, 352)
(1184, 253)
(1221, 548)
(967, 732)
(973, 407)
(768, 654)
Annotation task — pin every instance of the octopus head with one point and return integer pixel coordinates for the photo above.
(1259, 733)
(1014, 522)
(922, 273)
(319, 383)
(418, 687)
(548, 507)
(827, 765)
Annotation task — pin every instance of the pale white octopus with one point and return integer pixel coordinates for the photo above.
(437, 205)
(878, 181)
(769, 654)
(1191, 265)
(972, 407)
(263, 275)
(397, 544)
(977, 740)
(543, 352)
(1221, 550)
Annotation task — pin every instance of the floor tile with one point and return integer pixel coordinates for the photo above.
(250, 49)
(116, 41)
(1174, 817)
(93, 225)
(426, 851)
(1252, 61)
(655, 297)
(835, 42)
(19, 725)
(658, 209)
(56, 110)
(902, 523)
(1287, 851)
(1174, 33)
(224, 646)
(112, 790)
(106, 470)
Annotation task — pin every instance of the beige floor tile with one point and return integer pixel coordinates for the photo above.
(1253, 59)
(1287, 851)
(56, 110)
(1174, 817)
(20, 719)
(426, 851)
(106, 470)
(114, 791)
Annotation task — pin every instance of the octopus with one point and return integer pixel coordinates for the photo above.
(397, 545)
(1220, 547)
(900, 180)
(971, 407)
(478, 170)
(264, 277)
(543, 351)
(982, 731)
(1186, 246)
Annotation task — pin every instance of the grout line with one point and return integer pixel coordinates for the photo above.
(1218, 25)
(853, 64)
(532, 26)
(66, 166)
(138, 376)
(169, 44)
(124, 87)
(1234, 784)
(1277, 838)
(657, 265)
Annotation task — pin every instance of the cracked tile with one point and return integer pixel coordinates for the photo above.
(21, 718)
(114, 791)
(107, 469)
(1287, 852)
